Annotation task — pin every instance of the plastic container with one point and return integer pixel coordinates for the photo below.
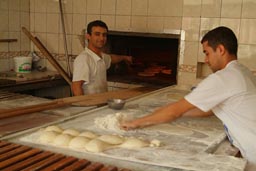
(23, 64)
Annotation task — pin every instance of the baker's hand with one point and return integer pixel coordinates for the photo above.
(127, 59)
(128, 125)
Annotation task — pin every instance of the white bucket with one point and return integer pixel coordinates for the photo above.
(23, 64)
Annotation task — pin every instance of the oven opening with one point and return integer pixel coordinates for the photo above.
(155, 58)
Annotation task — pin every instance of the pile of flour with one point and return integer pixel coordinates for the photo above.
(112, 121)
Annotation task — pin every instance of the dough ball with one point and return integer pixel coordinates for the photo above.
(88, 134)
(78, 142)
(62, 140)
(71, 131)
(155, 143)
(132, 142)
(54, 128)
(96, 145)
(111, 139)
(48, 136)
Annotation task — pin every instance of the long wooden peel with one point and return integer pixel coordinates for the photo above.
(48, 55)
(87, 100)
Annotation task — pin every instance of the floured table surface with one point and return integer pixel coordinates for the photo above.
(188, 143)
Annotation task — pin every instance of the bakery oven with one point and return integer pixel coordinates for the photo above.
(155, 58)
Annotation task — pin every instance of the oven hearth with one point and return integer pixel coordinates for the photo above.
(155, 58)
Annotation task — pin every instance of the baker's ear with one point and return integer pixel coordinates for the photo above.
(222, 49)
(87, 36)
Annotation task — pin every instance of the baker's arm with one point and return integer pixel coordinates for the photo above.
(77, 88)
(196, 112)
(165, 114)
(118, 58)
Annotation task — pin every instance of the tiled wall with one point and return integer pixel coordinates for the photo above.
(13, 15)
(191, 17)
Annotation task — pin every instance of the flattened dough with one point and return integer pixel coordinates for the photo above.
(96, 145)
(111, 139)
(78, 142)
(48, 136)
(132, 143)
(88, 134)
(54, 128)
(62, 140)
(71, 131)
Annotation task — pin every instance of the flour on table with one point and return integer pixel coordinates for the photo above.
(169, 129)
(111, 122)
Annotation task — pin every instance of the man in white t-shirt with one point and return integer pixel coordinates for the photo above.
(229, 93)
(90, 66)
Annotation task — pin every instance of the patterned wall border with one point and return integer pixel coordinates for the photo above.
(187, 68)
(59, 57)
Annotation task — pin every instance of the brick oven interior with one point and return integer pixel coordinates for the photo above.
(151, 53)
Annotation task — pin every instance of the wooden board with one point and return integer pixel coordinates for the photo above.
(86, 100)
(20, 123)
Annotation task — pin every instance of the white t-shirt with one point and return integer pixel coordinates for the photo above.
(92, 69)
(231, 94)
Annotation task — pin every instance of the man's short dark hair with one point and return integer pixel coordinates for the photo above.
(94, 24)
(222, 35)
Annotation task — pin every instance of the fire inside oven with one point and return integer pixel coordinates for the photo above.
(155, 58)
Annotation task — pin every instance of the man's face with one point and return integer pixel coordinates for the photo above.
(98, 37)
(212, 58)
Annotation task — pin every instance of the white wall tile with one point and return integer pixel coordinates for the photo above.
(190, 53)
(247, 56)
(139, 23)
(52, 23)
(52, 42)
(123, 23)
(4, 26)
(233, 24)
(191, 27)
(79, 6)
(231, 8)
(78, 23)
(207, 24)
(248, 10)
(172, 23)
(247, 31)
(109, 20)
(61, 44)
(40, 6)
(192, 8)
(40, 22)
(108, 7)
(140, 7)
(93, 6)
(52, 6)
(211, 8)
(14, 21)
(156, 24)
(4, 5)
(124, 7)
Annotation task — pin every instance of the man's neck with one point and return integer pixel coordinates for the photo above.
(95, 50)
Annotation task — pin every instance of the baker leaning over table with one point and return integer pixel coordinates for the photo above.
(90, 66)
(229, 93)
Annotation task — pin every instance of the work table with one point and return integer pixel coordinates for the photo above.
(18, 82)
(199, 141)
